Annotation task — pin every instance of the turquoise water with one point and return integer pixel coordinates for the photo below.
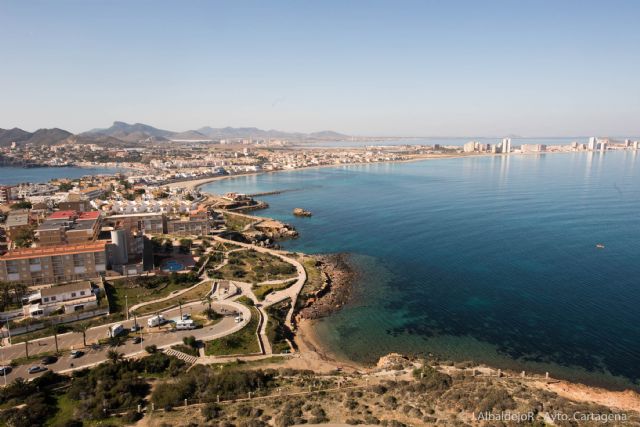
(10, 175)
(173, 265)
(486, 258)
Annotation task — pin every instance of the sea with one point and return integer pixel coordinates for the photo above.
(445, 141)
(11, 175)
(524, 262)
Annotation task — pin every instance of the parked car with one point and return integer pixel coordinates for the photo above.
(36, 369)
(48, 360)
(135, 328)
(186, 316)
(76, 353)
(4, 370)
(137, 340)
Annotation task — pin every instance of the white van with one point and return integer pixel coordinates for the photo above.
(185, 325)
(156, 321)
(115, 330)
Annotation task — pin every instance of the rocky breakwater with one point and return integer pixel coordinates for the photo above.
(276, 230)
(336, 289)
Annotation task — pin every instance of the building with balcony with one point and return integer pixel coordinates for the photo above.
(54, 264)
(70, 298)
(69, 227)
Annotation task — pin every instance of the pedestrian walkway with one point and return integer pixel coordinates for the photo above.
(180, 355)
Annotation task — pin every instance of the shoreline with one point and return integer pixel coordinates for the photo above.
(196, 183)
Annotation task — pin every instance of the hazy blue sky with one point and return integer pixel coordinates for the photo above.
(425, 68)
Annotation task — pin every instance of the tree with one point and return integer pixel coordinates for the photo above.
(10, 293)
(209, 311)
(190, 341)
(65, 186)
(5, 295)
(57, 329)
(185, 245)
(115, 356)
(82, 328)
(22, 205)
(24, 237)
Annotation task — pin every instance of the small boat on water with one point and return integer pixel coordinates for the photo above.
(600, 246)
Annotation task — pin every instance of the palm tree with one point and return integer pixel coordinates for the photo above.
(208, 311)
(82, 328)
(56, 330)
(115, 356)
(4, 294)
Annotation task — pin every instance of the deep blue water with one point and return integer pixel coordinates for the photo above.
(486, 258)
(10, 175)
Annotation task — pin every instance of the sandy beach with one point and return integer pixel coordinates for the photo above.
(195, 183)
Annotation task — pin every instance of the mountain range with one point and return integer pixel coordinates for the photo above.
(39, 137)
(122, 134)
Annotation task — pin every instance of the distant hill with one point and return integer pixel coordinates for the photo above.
(122, 134)
(136, 132)
(39, 137)
(189, 135)
(7, 136)
(140, 132)
(252, 132)
(48, 136)
(327, 134)
(102, 140)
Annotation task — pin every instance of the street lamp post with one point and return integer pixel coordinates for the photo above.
(126, 305)
(4, 368)
(9, 330)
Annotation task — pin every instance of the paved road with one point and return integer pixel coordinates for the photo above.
(162, 337)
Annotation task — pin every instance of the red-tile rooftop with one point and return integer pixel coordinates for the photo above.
(80, 216)
(83, 216)
(63, 215)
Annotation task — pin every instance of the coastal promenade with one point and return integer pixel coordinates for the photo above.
(292, 291)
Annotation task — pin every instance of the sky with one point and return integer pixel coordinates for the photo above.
(378, 68)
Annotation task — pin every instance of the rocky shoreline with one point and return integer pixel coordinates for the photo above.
(337, 288)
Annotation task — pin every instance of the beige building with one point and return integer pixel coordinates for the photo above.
(16, 222)
(196, 224)
(54, 264)
(142, 223)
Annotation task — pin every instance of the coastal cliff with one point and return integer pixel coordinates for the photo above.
(338, 276)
